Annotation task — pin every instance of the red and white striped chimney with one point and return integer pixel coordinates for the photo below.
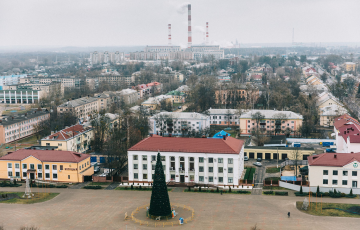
(207, 33)
(169, 38)
(189, 26)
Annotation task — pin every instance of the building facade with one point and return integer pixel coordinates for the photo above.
(17, 127)
(47, 165)
(188, 160)
(83, 108)
(228, 117)
(75, 138)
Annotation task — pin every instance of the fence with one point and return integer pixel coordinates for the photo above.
(163, 224)
(292, 162)
(101, 179)
(296, 187)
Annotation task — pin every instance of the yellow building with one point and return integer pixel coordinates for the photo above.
(272, 153)
(350, 66)
(74, 138)
(47, 165)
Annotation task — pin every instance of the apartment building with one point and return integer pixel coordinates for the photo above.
(17, 127)
(226, 94)
(75, 138)
(228, 117)
(159, 123)
(47, 165)
(177, 96)
(188, 160)
(83, 108)
(273, 122)
(129, 96)
(347, 133)
(349, 66)
(11, 80)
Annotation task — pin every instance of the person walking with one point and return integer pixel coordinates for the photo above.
(288, 214)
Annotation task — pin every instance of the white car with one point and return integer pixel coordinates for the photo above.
(258, 164)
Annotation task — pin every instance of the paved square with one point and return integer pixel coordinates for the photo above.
(105, 209)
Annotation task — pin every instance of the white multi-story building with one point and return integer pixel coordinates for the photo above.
(338, 171)
(188, 160)
(192, 121)
(224, 117)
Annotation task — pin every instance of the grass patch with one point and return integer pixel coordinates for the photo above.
(249, 173)
(329, 209)
(275, 188)
(92, 187)
(100, 183)
(272, 170)
(138, 188)
(38, 197)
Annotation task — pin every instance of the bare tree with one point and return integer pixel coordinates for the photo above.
(279, 119)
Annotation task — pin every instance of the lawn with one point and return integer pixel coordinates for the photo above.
(272, 170)
(38, 197)
(329, 209)
(249, 173)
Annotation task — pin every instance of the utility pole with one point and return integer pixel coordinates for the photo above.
(277, 158)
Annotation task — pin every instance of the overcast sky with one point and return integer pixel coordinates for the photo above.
(144, 22)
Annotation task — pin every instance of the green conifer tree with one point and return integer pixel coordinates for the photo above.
(160, 202)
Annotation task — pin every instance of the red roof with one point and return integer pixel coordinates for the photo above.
(343, 120)
(256, 76)
(349, 130)
(66, 133)
(153, 83)
(329, 159)
(46, 155)
(189, 145)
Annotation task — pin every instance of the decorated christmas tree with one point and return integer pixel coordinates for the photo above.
(159, 203)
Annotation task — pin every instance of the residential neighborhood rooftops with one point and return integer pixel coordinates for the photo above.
(182, 115)
(66, 133)
(189, 145)
(13, 119)
(78, 102)
(46, 155)
(333, 159)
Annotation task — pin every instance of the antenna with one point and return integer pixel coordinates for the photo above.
(169, 36)
(189, 26)
(207, 33)
(293, 37)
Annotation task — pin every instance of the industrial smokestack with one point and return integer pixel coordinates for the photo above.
(169, 38)
(189, 26)
(207, 33)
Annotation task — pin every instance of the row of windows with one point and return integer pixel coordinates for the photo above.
(225, 117)
(201, 159)
(39, 166)
(235, 123)
(344, 182)
(201, 178)
(335, 173)
(47, 175)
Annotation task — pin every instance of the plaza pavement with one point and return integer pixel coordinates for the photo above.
(105, 209)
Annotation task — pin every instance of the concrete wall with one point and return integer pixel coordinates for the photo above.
(309, 141)
(313, 189)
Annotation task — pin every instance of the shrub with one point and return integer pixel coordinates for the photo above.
(126, 187)
(195, 190)
(318, 190)
(343, 194)
(212, 191)
(268, 192)
(199, 188)
(326, 194)
(189, 188)
(140, 187)
(301, 194)
(62, 186)
(229, 189)
(217, 189)
(92, 187)
(132, 187)
(243, 192)
(351, 193)
(301, 191)
(281, 193)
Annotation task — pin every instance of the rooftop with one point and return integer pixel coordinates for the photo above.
(333, 159)
(46, 155)
(271, 114)
(78, 102)
(189, 145)
(9, 120)
(182, 115)
(66, 133)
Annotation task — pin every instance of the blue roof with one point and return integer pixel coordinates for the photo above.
(221, 134)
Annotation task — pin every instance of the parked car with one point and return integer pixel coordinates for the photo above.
(257, 164)
(179, 107)
(246, 158)
(259, 159)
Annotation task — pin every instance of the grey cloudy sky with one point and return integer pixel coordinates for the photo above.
(144, 22)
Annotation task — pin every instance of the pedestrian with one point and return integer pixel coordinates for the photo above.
(288, 214)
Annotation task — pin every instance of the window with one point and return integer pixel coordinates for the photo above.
(201, 159)
(54, 176)
(211, 169)
(59, 144)
(136, 176)
(201, 178)
(47, 144)
(9, 165)
(334, 182)
(220, 170)
(17, 165)
(55, 167)
(220, 179)
(144, 176)
(162, 158)
(9, 173)
(220, 160)
(230, 160)
(211, 179)
(39, 166)
(144, 166)
(325, 181)
(344, 182)
(172, 176)
(69, 177)
(211, 160)
(345, 173)
(201, 169)
(135, 157)
(135, 166)
(24, 174)
(325, 172)
(153, 158)
(230, 170)
(230, 180)
(172, 158)
(62, 168)
(47, 175)
(335, 172)
(24, 166)
(144, 157)
(39, 175)
(354, 173)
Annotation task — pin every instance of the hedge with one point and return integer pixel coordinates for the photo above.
(281, 193)
(92, 187)
(268, 192)
(62, 186)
